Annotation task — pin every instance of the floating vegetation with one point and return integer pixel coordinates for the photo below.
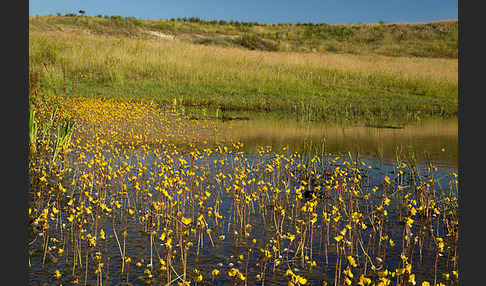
(138, 194)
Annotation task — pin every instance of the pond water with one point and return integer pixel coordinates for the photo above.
(433, 140)
(278, 202)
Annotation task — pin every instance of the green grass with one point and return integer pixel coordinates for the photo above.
(310, 86)
(310, 103)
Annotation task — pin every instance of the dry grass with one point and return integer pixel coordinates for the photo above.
(433, 40)
(236, 78)
(85, 49)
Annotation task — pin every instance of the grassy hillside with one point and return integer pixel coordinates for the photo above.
(436, 40)
(118, 58)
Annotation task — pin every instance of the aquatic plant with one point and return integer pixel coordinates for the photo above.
(145, 195)
(33, 130)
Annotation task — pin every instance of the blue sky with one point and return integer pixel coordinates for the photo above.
(262, 11)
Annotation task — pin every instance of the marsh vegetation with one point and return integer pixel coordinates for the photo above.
(136, 179)
(142, 195)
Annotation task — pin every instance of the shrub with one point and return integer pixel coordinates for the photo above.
(254, 42)
(213, 41)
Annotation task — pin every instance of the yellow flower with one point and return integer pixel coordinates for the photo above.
(425, 283)
(291, 237)
(363, 225)
(61, 188)
(186, 221)
(232, 272)
(70, 218)
(383, 282)
(215, 272)
(387, 180)
(411, 279)
(382, 274)
(413, 211)
(162, 236)
(348, 273)
(386, 201)
(408, 268)
(363, 281)
(241, 276)
(351, 261)
(57, 274)
(440, 244)
(301, 280)
(409, 221)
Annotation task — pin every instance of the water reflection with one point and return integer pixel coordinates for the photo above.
(433, 140)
